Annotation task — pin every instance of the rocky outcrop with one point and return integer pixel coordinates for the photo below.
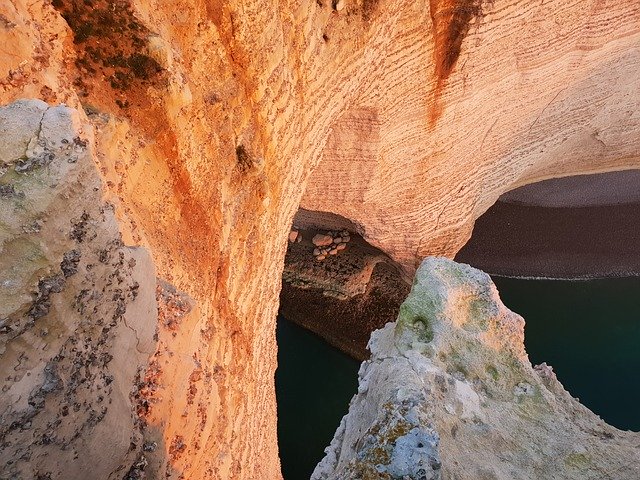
(210, 119)
(504, 108)
(77, 307)
(449, 393)
(344, 296)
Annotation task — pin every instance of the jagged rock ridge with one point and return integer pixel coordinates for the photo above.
(450, 385)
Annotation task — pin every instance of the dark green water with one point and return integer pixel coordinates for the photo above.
(589, 331)
(314, 384)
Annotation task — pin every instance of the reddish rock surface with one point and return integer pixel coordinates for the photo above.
(214, 121)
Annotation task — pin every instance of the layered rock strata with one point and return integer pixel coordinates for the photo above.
(211, 117)
(510, 100)
(449, 393)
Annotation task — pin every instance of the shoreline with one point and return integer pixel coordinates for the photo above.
(556, 243)
(343, 298)
(585, 278)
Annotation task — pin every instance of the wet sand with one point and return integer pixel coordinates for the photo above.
(531, 241)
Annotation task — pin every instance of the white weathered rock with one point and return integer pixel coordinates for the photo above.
(74, 301)
(452, 375)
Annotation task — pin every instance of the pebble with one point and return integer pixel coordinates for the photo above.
(321, 240)
(341, 246)
(316, 251)
(320, 257)
(333, 251)
(339, 5)
(337, 240)
(346, 239)
(299, 239)
(293, 236)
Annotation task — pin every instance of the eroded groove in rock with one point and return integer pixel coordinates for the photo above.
(450, 21)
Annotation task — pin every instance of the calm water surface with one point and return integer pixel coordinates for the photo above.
(589, 331)
(314, 384)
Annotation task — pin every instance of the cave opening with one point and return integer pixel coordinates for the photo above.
(332, 298)
(564, 254)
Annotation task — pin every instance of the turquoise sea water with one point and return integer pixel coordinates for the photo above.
(589, 331)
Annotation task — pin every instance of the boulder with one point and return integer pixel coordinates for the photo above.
(321, 240)
(449, 392)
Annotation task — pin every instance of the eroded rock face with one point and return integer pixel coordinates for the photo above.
(453, 379)
(77, 306)
(211, 117)
(489, 118)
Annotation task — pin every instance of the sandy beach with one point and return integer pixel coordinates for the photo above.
(532, 241)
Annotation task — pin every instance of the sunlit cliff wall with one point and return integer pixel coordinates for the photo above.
(211, 118)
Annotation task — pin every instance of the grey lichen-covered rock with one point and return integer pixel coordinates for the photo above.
(449, 393)
(77, 307)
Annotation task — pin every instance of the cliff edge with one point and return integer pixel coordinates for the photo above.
(78, 312)
(449, 393)
(214, 122)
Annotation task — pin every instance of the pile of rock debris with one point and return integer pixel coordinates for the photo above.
(330, 243)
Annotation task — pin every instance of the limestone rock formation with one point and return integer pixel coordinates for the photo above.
(211, 118)
(77, 307)
(504, 94)
(449, 385)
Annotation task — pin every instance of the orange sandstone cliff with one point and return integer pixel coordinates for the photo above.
(208, 124)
